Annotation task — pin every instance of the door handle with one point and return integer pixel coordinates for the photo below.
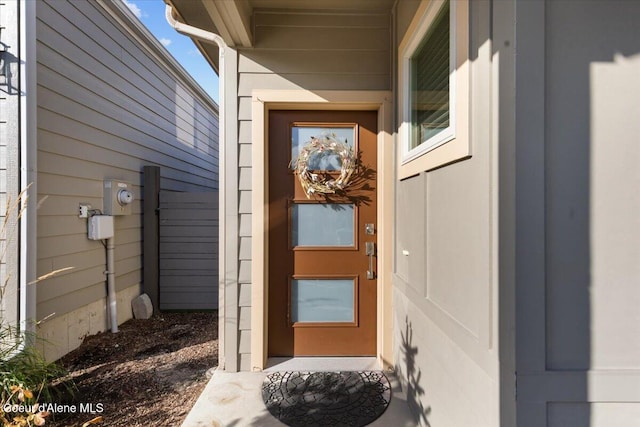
(370, 251)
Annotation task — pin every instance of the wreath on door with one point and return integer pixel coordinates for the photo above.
(314, 182)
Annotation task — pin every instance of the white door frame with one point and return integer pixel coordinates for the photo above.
(262, 102)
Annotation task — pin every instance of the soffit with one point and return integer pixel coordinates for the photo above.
(231, 19)
(291, 5)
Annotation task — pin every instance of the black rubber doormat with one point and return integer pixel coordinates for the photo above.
(305, 399)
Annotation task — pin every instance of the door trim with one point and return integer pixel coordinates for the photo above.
(264, 101)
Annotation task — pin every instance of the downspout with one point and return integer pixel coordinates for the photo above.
(28, 167)
(200, 34)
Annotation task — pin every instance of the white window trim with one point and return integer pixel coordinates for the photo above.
(452, 143)
(432, 13)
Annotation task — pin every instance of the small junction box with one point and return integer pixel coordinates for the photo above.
(100, 227)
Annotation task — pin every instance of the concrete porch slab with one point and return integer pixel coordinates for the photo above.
(235, 400)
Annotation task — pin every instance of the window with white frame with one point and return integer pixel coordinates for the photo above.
(430, 57)
(430, 74)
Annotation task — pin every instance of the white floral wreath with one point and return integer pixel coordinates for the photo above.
(314, 183)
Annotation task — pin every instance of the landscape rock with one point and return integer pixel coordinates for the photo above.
(142, 307)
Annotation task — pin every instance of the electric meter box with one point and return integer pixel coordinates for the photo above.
(100, 227)
(118, 197)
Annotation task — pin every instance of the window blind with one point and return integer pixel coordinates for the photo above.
(430, 81)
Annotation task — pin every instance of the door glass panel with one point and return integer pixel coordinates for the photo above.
(326, 224)
(301, 136)
(322, 300)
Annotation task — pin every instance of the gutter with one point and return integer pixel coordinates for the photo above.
(208, 36)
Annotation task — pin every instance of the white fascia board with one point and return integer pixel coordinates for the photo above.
(232, 21)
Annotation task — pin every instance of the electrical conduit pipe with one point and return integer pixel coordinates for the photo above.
(111, 284)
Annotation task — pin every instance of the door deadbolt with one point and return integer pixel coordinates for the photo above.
(370, 229)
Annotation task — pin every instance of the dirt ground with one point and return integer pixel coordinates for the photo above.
(150, 373)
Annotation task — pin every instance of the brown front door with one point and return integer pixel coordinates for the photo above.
(322, 282)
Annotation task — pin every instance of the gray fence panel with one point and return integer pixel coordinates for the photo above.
(188, 251)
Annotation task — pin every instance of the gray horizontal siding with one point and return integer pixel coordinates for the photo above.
(334, 51)
(94, 38)
(108, 104)
(319, 21)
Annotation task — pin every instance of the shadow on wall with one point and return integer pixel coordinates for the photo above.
(573, 305)
(9, 63)
(413, 374)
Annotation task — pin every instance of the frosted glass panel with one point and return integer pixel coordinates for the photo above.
(301, 136)
(322, 300)
(327, 224)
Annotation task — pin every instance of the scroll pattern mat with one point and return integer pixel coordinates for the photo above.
(305, 399)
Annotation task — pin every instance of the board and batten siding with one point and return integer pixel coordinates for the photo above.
(578, 216)
(445, 318)
(110, 101)
(296, 50)
(9, 159)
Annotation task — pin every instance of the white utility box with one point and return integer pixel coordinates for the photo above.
(100, 227)
(118, 197)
